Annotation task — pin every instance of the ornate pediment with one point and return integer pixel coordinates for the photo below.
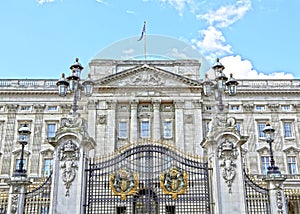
(146, 76)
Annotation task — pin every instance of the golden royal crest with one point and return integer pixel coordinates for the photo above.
(123, 183)
(174, 182)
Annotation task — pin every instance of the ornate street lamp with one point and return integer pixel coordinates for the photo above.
(221, 84)
(73, 85)
(269, 132)
(24, 133)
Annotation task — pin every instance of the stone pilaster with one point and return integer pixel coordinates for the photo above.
(110, 143)
(179, 124)
(133, 121)
(37, 139)
(92, 118)
(156, 120)
(9, 139)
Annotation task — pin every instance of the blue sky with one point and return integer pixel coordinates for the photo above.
(253, 38)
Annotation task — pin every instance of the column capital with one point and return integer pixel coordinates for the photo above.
(156, 103)
(134, 103)
(179, 103)
(111, 104)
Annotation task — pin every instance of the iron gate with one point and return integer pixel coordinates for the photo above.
(38, 199)
(257, 197)
(147, 178)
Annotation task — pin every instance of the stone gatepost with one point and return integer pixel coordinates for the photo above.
(16, 201)
(223, 145)
(72, 145)
(276, 193)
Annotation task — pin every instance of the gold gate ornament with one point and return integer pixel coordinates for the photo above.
(124, 183)
(173, 182)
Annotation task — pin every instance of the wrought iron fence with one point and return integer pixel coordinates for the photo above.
(148, 179)
(257, 197)
(3, 202)
(38, 199)
(292, 200)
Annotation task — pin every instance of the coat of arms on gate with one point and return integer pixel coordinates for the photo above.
(124, 183)
(174, 182)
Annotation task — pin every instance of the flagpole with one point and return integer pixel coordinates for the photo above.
(145, 43)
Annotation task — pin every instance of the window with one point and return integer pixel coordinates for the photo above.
(25, 108)
(265, 163)
(145, 129)
(123, 130)
(168, 129)
(292, 164)
(287, 128)
(52, 108)
(18, 161)
(286, 107)
(238, 126)
(48, 163)
(51, 129)
(235, 107)
(261, 126)
(260, 107)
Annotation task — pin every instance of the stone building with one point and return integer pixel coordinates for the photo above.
(157, 100)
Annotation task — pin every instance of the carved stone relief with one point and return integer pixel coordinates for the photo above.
(68, 155)
(101, 119)
(227, 153)
(143, 79)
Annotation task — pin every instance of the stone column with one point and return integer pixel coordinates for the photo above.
(72, 145)
(276, 193)
(110, 144)
(156, 120)
(198, 127)
(179, 124)
(223, 144)
(133, 121)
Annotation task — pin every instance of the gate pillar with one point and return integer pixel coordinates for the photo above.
(17, 190)
(223, 145)
(72, 145)
(276, 193)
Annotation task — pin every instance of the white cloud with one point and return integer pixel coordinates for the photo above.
(212, 43)
(243, 69)
(45, 1)
(180, 5)
(101, 1)
(227, 15)
(130, 12)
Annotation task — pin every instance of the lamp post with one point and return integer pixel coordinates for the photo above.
(24, 133)
(220, 86)
(73, 85)
(269, 132)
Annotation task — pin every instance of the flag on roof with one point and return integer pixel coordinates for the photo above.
(143, 32)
